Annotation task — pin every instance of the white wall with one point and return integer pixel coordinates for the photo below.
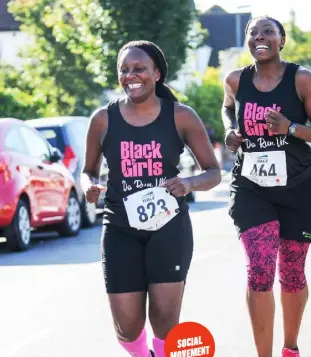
(196, 63)
(229, 58)
(10, 44)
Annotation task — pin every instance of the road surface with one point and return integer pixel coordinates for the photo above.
(53, 301)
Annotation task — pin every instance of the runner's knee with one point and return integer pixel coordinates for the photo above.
(292, 282)
(129, 330)
(292, 265)
(162, 321)
(165, 302)
(129, 314)
(261, 246)
(260, 279)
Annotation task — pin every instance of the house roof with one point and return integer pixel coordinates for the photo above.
(222, 27)
(7, 22)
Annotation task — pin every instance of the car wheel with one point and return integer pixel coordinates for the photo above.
(72, 222)
(89, 214)
(18, 234)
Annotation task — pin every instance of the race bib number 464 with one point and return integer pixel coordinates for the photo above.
(150, 209)
(267, 169)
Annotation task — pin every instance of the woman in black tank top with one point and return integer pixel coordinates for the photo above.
(270, 101)
(147, 241)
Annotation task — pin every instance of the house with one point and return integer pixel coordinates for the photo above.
(226, 31)
(196, 63)
(11, 38)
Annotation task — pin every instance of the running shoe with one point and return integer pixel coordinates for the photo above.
(287, 352)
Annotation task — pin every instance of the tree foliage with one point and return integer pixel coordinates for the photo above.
(168, 23)
(297, 47)
(18, 104)
(57, 66)
(206, 99)
(72, 58)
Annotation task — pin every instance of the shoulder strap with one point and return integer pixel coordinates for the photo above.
(247, 75)
(245, 78)
(113, 109)
(290, 75)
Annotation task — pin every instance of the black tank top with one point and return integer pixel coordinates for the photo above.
(250, 107)
(139, 158)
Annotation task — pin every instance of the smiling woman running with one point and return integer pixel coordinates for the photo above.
(147, 245)
(271, 179)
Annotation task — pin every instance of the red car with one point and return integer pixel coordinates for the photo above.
(36, 189)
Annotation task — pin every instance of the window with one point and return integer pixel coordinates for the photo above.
(14, 141)
(36, 145)
(77, 131)
(54, 136)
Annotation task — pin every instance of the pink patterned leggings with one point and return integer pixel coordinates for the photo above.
(262, 245)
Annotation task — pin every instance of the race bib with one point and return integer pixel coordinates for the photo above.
(150, 209)
(267, 169)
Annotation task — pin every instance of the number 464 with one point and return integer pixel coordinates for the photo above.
(262, 171)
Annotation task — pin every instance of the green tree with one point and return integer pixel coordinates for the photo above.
(297, 47)
(18, 104)
(15, 101)
(75, 44)
(168, 23)
(206, 98)
(58, 70)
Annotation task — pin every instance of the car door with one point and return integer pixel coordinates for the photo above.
(52, 182)
(26, 176)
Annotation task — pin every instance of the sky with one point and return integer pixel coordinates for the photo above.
(279, 9)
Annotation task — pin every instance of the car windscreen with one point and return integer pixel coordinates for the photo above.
(76, 135)
(54, 136)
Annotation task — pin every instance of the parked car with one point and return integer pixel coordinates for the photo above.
(36, 189)
(187, 167)
(68, 134)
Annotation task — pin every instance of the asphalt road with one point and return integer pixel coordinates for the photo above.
(53, 301)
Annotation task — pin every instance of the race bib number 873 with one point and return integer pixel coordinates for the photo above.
(267, 169)
(150, 209)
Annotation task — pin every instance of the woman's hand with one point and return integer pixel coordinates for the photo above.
(233, 140)
(178, 186)
(277, 122)
(93, 192)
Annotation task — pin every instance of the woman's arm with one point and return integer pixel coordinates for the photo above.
(279, 124)
(96, 131)
(303, 84)
(194, 134)
(230, 85)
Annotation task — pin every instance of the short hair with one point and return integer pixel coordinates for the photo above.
(278, 24)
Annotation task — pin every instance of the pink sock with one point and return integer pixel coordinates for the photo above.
(158, 347)
(138, 348)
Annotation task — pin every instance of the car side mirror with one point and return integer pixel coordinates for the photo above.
(56, 155)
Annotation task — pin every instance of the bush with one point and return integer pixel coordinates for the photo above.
(206, 99)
